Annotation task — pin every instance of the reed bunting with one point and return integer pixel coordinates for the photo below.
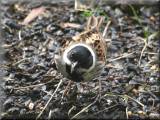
(84, 57)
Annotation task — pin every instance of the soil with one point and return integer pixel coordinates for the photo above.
(130, 81)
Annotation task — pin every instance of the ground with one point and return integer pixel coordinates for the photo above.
(130, 81)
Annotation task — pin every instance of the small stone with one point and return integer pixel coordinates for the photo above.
(51, 28)
(12, 24)
(141, 112)
(31, 106)
(133, 67)
(72, 32)
(155, 88)
(8, 103)
(107, 9)
(13, 110)
(154, 115)
(46, 97)
(152, 80)
(129, 113)
(59, 33)
(44, 87)
(23, 111)
(72, 18)
(53, 46)
(11, 75)
(109, 101)
(118, 12)
(27, 102)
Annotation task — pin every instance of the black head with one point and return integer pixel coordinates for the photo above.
(79, 57)
(82, 56)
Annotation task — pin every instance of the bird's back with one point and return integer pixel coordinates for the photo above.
(92, 36)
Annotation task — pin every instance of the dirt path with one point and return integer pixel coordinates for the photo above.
(130, 81)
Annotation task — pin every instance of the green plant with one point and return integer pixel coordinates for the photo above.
(138, 19)
(97, 11)
(86, 13)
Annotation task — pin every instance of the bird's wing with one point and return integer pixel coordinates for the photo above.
(93, 37)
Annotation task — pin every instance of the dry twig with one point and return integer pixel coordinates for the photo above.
(49, 100)
(83, 110)
(123, 56)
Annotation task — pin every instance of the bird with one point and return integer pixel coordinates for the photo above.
(83, 58)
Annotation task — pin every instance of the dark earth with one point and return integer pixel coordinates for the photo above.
(130, 81)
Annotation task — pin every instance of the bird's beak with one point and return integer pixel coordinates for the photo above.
(73, 65)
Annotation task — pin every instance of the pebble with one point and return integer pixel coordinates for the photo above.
(118, 12)
(26, 103)
(155, 88)
(46, 97)
(154, 115)
(13, 110)
(31, 106)
(8, 103)
(72, 18)
(59, 33)
(23, 111)
(12, 24)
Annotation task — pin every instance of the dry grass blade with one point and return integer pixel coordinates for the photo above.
(3, 66)
(70, 110)
(145, 44)
(83, 110)
(32, 86)
(71, 25)
(20, 35)
(106, 28)
(20, 61)
(127, 112)
(135, 100)
(123, 56)
(49, 100)
(105, 109)
(124, 96)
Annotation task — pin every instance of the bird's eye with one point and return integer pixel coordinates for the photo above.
(73, 54)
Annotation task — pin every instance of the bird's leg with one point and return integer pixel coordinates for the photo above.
(66, 91)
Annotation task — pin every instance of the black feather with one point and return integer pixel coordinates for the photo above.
(82, 56)
(75, 75)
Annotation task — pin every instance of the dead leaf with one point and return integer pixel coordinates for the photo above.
(33, 14)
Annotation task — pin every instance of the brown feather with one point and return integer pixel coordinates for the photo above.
(92, 37)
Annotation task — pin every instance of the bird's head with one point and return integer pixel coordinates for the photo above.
(79, 56)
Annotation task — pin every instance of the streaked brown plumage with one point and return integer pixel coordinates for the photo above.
(90, 40)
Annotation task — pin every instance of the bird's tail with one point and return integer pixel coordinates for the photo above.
(95, 22)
